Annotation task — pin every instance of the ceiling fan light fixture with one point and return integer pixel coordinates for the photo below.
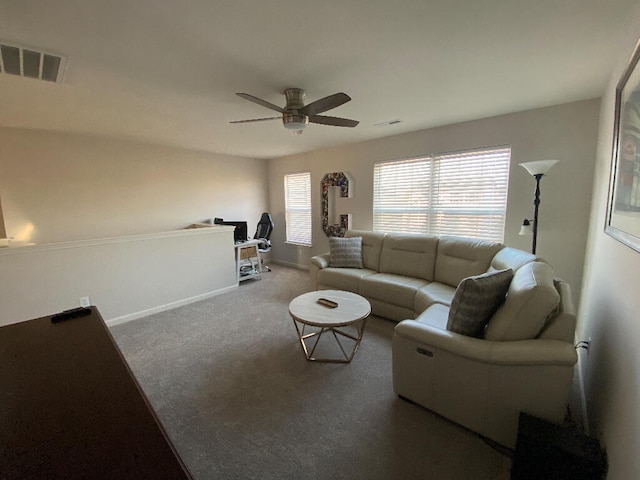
(292, 121)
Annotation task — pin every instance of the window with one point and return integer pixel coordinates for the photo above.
(297, 205)
(462, 193)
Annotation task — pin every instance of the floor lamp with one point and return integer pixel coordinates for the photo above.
(537, 169)
(4, 241)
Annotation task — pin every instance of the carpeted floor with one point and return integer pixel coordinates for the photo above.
(229, 381)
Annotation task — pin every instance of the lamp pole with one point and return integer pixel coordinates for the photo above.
(537, 169)
(536, 205)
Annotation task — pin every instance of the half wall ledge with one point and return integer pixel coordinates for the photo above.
(125, 277)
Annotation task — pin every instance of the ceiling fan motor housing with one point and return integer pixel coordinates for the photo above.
(291, 119)
(295, 98)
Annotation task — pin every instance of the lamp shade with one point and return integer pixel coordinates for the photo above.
(526, 228)
(539, 167)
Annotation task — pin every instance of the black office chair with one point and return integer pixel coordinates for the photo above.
(263, 234)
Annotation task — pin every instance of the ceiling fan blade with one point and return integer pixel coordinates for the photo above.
(257, 120)
(324, 104)
(335, 121)
(259, 101)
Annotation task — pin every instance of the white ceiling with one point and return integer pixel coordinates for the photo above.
(166, 71)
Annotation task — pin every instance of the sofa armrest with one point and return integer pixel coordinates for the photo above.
(317, 263)
(321, 261)
(506, 353)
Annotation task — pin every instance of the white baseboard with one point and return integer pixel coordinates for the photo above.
(169, 306)
(288, 264)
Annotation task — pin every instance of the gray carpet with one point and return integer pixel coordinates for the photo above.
(229, 381)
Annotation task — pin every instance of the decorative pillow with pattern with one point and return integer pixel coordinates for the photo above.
(345, 252)
(476, 300)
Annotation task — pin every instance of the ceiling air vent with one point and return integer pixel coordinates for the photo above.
(28, 62)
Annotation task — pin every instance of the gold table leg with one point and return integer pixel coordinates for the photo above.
(335, 331)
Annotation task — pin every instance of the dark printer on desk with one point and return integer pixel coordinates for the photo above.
(240, 234)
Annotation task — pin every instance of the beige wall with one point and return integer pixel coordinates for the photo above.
(58, 187)
(565, 132)
(609, 313)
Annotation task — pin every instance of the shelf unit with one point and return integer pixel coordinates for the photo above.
(248, 262)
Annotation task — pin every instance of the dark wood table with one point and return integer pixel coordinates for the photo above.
(71, 408)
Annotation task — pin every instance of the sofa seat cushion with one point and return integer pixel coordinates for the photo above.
(342, 278)
(476, 300)
(391, 288)
(437, 315)
(435, 292)
(531, 298)
(389, 311)
(460, 258)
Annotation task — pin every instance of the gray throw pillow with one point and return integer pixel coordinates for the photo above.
(476, 300)
(345, 252)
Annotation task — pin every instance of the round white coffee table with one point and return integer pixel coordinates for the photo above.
(350, 312)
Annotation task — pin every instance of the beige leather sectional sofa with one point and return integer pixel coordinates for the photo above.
(525, 358)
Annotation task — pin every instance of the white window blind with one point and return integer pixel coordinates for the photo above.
(461, 193)
(297, 204)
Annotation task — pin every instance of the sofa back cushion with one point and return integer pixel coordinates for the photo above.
(409, 254)
(459, 258)
(531, 299)
(563, 325)
(371, 247)
(512, 258)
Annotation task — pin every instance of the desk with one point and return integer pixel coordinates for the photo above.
(248, 262)
(70, 407)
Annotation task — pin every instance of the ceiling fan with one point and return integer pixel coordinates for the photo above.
(296, 115)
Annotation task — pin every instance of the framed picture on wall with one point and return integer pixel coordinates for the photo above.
(623, 209)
